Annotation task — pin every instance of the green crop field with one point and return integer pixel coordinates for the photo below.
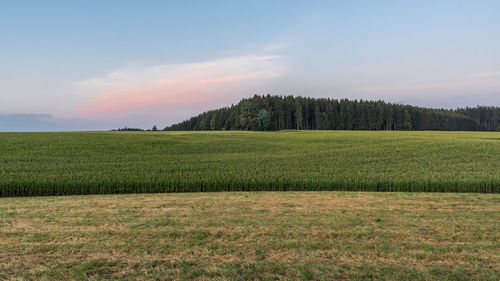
(143, 162)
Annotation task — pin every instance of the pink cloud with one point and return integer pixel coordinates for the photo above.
(141, 88)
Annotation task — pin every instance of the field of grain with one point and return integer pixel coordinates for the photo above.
(252, 235)
(149, 162)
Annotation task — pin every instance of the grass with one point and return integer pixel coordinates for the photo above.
(252, 236)
(148, 162)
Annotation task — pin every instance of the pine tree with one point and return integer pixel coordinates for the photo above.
(407, 120)
(317, 117)
(298, 114)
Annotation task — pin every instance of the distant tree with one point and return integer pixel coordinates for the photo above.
(280, 114)
(215, 122)
(407, 120)
(298, 114)
(154, 128)
(380, 116)
(371, 116)
(245, 116)
(128, 129)
(262, 122)
(324, 122)
(345, 115)
(265, 118)
(317, 117)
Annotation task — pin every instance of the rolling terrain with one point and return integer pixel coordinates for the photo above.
(33, 164)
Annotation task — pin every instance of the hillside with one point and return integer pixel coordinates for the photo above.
(34, 164)
(267, 113)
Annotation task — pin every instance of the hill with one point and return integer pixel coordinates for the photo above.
(33, 164)
(268, 113)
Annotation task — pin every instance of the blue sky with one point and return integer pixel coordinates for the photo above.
(106, 64)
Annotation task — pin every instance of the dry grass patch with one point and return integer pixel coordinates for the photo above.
(259, 235)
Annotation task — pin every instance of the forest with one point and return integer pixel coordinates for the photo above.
(270, 113)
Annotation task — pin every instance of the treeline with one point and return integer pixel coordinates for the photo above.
(128, 129)
(135, 129)
(262, 113)
(488, 117)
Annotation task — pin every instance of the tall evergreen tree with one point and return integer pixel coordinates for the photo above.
(317, 117)
(407, 125)
(298, 114)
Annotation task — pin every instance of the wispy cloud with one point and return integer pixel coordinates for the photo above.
(47, 122)
(276, 46)
(463, 90)
(139, 87)
(487, 74)
(450, 87)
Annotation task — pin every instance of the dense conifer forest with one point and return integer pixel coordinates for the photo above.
(265, 113)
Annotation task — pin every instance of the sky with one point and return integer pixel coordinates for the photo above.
(99, 65)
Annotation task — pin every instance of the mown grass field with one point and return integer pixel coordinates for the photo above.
(252, 236)
(145, 162)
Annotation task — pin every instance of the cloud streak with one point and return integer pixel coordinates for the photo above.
(139, 88)
(487, 74)
(46, 122)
